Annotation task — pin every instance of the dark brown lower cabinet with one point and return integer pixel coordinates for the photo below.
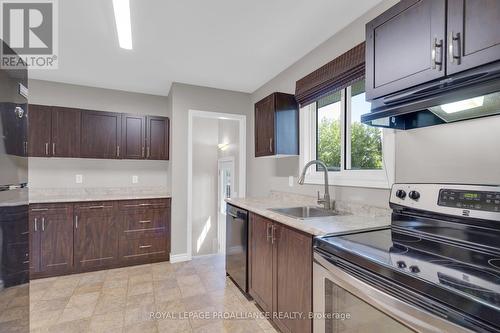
(78, 237)
(281, 273)
(96, 235)
(51, 238)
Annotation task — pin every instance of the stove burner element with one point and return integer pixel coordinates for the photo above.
(403, 238)
(398, 249)
(494, 262)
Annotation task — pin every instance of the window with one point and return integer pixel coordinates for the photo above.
(355, 154)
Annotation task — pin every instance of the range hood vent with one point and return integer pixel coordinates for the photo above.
(468, 95)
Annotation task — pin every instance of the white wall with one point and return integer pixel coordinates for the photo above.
(184, 98)
(265, 174)
(60, 172)
(204, 185)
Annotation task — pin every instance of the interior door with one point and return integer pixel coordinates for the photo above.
(96, 235)
(157, 138)
(101, 134)
(261, 257)
(133, 136)
(39, 130)
(473, 33)
(66, 125)
(56, 241)
(264, 127)
(405, 47)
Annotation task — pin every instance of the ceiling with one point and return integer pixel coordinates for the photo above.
(228, 44)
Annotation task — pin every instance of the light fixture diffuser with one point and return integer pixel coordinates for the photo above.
(123, 23)
(466, 104)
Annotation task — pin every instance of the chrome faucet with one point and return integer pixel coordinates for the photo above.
(325, 201)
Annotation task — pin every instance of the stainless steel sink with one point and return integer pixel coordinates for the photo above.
(304, 213)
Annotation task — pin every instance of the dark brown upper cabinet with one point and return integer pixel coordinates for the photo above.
(39, 130)
(101, 134)
(473, 33)
(54, 131)
(157, 138)
(133, 137)
(277, 125)
(65, 132)
(405, 46)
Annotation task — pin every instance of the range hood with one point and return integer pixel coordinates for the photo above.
(467, 95)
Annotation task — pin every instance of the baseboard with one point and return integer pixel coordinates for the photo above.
(179, 257)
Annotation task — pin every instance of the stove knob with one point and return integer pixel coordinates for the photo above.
(414, 195)
(401, 194)
(414, 269)
(401, 264)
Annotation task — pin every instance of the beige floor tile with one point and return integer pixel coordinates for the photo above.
(138, 314)
(75, 326)
(165, 283)
(89, 288)
(50, 305)
(44, 318)
(15, 313)
(76, 313)
(192, 290)
(174, 308)
(53, 293)
(115, 283)
(163, 295)
(83, 300)
(214, 327)
(140, 278)
(117, 292)
(139, 300)
(105, 322)
(174, 326)
(142, 327)
(197, 302)
(110, 303)
(140, 288)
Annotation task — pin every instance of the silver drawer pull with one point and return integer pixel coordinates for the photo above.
(146, 221)
(98, 207)
(145, 246)
(39, 209)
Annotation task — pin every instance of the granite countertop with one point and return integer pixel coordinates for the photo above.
(96, 194)
(346, 222)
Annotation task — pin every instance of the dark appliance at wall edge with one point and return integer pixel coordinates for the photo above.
(237, 246)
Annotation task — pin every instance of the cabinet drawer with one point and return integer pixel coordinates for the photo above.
(55, 208)
(145, 248)
(150, 222)
(144, 204)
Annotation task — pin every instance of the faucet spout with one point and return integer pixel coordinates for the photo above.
(326, 199)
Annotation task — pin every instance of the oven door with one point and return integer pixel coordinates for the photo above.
(344, 303)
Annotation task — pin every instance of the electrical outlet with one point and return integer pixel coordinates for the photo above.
(79, 179)
(135, 179)
(290, 181)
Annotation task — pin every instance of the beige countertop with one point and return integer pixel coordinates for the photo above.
(339, 224)
(96, 194)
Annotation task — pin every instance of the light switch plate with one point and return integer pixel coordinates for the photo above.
(135, 179)
(290, 181)
(79, 179)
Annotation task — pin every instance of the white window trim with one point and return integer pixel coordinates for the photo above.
(357, 178)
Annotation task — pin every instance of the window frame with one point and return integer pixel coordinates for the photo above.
(371, 178)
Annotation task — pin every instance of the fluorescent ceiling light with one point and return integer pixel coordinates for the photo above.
(223, 146)
(466, 104)
(123, 25)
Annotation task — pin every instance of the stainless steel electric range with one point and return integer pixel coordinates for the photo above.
(436, 269)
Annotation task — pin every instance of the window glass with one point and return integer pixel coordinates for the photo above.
(366, 141)
(328, 146)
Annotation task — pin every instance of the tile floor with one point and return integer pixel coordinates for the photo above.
(184, 297)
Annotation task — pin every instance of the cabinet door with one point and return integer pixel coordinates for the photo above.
(157, 138)
(264, 127)
(66, 125)
(39, 130)
(293, 278)
(34, 239)
(473, 33)
(261, 261)
(405, 47)
(96, 235)
(56, 242)
(101, 134)
(133, 136)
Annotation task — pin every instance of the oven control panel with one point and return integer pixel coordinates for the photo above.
(477, 200)
(469, 201)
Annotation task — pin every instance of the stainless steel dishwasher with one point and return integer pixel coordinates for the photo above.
(237, 246)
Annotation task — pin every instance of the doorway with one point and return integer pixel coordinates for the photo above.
(225, 171)
(216, 171)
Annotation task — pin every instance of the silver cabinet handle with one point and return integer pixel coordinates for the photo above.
(145, 246)
(273, 234)
(97, 207)
(142, 152)
(271, 145)
(451, 47)
(36, 228)
(43, 223)
(118, 151)
(39, 209)
(149, 152)
(435, 45)
(46, 148)
(53, 149)
(145, 221)
(269, 232)
(76, 221)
